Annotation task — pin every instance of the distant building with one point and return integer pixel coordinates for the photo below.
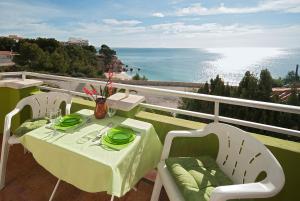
(77, 41)
(15, 37)
(283, 93)
(6, 58)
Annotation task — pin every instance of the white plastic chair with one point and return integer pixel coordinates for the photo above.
(40, 104)
(241, 157)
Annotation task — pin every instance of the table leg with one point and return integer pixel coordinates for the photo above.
(54, 190)
(112, 198)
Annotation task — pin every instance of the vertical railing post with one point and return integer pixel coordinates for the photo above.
(23, 75)
(126, 92)
(216, 111)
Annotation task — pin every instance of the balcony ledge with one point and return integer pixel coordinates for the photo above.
(20, 83)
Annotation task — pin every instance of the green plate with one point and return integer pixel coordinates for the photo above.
(117, 141)
(69, 121)
(120, 135)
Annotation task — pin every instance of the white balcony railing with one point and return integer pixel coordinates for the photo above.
(167, 92)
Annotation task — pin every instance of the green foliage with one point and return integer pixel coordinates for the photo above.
(7, 44)
(290, 78)
(265, 85)
(294, 97)
(138, 77)
(217, 86)
(250, 87)
(90, 48)
(49, 55)
(107, 53)
(47, 44)
(30, 56)
(279, 82)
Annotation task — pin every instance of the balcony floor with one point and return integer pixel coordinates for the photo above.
(28, 181)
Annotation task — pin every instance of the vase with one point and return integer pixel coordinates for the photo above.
(100, 109)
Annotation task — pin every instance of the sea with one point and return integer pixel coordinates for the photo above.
(200, 65)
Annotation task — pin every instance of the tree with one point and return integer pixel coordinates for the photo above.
(7, 44)
(90, 48)
(107, 53)
(279, 82)
(30, 55)
(47, 44)
(290, 77)
(48, 54)
(217, 86)
(296, 73)
(293, 98)
(138, 77)
(45, 62)
(59, 64)
(204, 89)
(227, 90)
(265, 86)
(248, 86)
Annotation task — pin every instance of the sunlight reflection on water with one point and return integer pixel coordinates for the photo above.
(234, 62)
(200, 65)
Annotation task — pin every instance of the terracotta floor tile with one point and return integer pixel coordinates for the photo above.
(28, 181)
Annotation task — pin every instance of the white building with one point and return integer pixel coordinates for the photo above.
(78, 41)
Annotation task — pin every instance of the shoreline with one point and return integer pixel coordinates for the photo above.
(167, 101)
(119, 76)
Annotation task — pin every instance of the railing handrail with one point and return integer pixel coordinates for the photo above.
(192, 95)
(168, 92)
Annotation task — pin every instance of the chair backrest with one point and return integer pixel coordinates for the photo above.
(42, 103)
(243, 158)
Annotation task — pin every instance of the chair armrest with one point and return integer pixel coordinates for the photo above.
(174, 134)
(7, 124)
(68, 108)
(243, 191)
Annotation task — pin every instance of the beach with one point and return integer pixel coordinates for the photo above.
(119, 76)
(167, 101)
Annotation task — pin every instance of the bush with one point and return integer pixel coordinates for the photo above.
(138, 77)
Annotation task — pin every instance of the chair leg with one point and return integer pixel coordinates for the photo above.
(156, 189)
(3, 163)
(54, 190)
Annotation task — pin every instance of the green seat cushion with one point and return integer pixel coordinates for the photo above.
(196, 177)
(30, 125)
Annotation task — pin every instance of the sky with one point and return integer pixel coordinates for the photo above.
(157, 23)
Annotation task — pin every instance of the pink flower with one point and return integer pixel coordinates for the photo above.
(94, 91)
(88, 92)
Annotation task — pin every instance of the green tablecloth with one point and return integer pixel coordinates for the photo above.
(93, 168)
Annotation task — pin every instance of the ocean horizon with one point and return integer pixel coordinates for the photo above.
(202, 64)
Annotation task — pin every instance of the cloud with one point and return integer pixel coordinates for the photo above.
(115, 22)
(288, 6)
(30, 20)
(158, 15)
(214, 29)
(47, 20)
